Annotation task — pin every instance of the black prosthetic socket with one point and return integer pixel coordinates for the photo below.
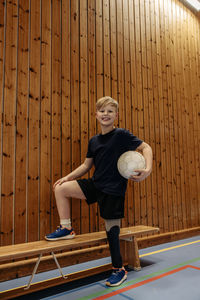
(114, 245)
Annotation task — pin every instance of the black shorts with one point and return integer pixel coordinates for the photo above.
(111, 206)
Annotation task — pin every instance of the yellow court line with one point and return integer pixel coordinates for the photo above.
(142, 255)
(170, 248)
(53, 278)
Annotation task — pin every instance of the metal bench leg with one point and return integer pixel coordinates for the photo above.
(34, 271)
(59, 268)
(36, 267)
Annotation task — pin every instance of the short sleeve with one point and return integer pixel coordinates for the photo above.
(131, 141)
(89, 152)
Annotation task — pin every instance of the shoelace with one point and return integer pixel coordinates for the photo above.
(118, 269)
(116, 272)
(58, 228)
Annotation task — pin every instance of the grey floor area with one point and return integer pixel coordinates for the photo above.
(170, 271)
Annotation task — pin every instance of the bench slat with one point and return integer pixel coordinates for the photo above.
(38, 247)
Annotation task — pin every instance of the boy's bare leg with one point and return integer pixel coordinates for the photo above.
(63, 193)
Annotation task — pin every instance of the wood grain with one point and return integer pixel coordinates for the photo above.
(56, 59)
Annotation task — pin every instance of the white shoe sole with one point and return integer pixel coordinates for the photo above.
(118, 283)
(67, 237)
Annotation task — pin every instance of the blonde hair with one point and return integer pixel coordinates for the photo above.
(101, 102)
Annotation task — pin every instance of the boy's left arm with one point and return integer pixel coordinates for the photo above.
(146, 151)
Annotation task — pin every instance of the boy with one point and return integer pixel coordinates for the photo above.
(106, 187)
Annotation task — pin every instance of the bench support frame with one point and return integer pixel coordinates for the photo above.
(36, 267)
(129, 249)
(130, 253)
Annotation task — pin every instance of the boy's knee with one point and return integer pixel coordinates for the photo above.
(69, 189)
(60, 189)
(57, 188)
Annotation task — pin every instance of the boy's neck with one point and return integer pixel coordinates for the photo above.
(105, 130)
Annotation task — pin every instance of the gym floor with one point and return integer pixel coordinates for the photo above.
(169, 271)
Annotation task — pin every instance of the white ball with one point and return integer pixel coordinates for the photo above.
(130, 161)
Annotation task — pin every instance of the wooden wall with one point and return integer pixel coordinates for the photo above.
(57, 57)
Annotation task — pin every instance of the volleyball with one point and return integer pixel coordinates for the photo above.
(130, 161)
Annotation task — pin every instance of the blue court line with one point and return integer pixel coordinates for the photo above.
(107, 291)
(70, 291)
(142, 255)
(126, 297)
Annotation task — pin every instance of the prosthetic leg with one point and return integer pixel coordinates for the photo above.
(119, 273)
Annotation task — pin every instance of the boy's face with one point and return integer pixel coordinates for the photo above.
(107, 115)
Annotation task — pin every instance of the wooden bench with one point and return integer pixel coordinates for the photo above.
(128, 244)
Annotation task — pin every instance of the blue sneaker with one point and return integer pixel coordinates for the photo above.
(61, 233)
(117, 277)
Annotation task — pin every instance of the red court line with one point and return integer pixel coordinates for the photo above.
(193, 267)
(133, 286)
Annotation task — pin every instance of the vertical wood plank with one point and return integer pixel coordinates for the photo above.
(140, 125)
(45, 134)
(99, 49)
(33, 125)
(172, 114)
(194, 116)
(164, 104)
(149, 118)
(20, 225)
(106, 49)
(56, 101)
(185, 113)
(156, 174)
(126, 58)
(100, 81)
(2, 44)
(113, 49)
(75, 107)
(95, 75)
(2, 76)
(2, 49)
(127, 97)
(163, 219)
(143, 124)
(182, 207)
(190, 122)
(176, 163)
(169, 121)
(120, 71)
(84, 102)
(66, 103)
(196, 103)
(66, 138)
(8, 131)
(133, 187)
(120, 65)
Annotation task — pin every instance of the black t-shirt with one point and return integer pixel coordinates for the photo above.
(105, 151)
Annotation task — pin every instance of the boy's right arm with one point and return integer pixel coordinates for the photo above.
(78, 172)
